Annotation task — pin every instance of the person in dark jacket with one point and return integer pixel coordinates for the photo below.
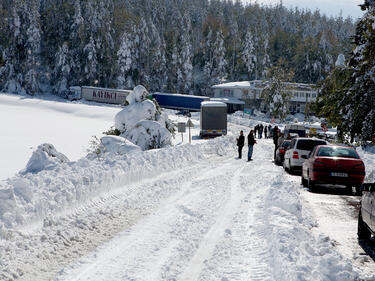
(265, 132)
(275, 136)
(250, 141)
(240, 144)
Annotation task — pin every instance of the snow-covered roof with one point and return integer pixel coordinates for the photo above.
(228, 100)
(241, 85)
(261, 84)
(213, 104)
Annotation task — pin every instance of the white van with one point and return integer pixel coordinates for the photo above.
(298, 147)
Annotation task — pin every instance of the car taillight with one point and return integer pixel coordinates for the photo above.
(282, 151)
(295, 155)
(359, 166)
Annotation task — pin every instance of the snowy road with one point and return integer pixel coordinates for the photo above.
(219, 218)
(233, 221)
(181, 213)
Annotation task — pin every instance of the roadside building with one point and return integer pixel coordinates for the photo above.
(250, 93)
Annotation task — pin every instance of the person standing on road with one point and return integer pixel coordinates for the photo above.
(250, 141)
(240, 144)
(265, 132)
(260, 130)
(275, 136)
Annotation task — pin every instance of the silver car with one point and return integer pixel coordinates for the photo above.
(366, 216)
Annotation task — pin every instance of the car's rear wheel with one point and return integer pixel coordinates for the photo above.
(291, 169)
(363, 232)
(303, 181)
(310, 183)
(358, 191)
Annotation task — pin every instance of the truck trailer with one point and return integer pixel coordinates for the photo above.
(180, 102)
(213, 119)
(105, 95)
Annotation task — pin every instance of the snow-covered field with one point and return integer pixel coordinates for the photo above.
(187, 212)
(28, 122)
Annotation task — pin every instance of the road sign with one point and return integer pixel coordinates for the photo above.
(181, 127)
(189, 124)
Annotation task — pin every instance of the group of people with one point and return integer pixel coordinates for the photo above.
(261, 129)
(250, 142)
(269, 132)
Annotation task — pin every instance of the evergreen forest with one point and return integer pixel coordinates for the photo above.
(183, 46)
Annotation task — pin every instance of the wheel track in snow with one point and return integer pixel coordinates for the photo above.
(209, 242)
(160, 241)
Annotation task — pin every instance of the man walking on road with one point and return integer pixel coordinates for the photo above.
(240, 144)
(250, 141)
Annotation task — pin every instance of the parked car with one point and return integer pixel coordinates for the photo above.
(299, 147)
(366, 215)
(280, 152)
(333, 164)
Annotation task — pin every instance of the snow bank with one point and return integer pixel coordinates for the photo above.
(118, 145)
(291, 242)
(45, 157)
(368, 156)
(33, 197)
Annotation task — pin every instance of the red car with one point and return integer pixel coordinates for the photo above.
(333, 164)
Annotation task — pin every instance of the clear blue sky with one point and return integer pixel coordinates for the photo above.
(328, 7)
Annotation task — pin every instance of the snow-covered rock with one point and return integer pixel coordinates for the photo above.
(149, 135)
(118, 145)
(45, 157)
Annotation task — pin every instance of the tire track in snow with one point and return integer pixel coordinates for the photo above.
(216, 232)
(147, 247)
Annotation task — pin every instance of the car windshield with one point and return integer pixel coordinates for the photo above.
(337, 152)
(285, 144)
(309, 144)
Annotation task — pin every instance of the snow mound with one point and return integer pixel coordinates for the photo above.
(118, 145)
(127, 118)
(138, 94)
(149, 135)
(45, 157)
(142, 123)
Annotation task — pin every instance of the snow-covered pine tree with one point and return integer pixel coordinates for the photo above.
(125, 60)
(358, 106)
(215, 63)
(249, 54)
(157, 60)
(62, 70)
(99, 45)
(144, 59)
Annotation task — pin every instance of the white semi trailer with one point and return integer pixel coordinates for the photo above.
(106, 95)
